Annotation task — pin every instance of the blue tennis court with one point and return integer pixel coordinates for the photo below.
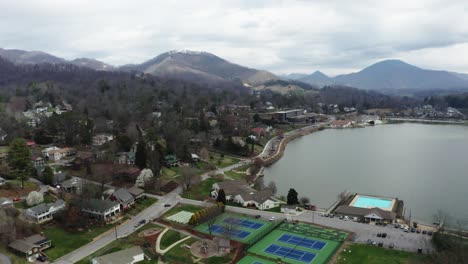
(235, 232)
(291, 253)
(303, 242)
(243, 222)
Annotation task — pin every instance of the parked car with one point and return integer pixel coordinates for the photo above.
(167, 205)
(257, 216)
(424, 232)
(429, 233)
(272, 218)
(346, 218)
(418, 230)
(374, 243)
(379, 235)
(380, 244)
(397, 225)
(413, 230)
(406, 229)
(419, 250)
(322, 214)
(384, 235)
(341, 217)
(332, 215)
(355, 219)
(369, 241)
(326, 214)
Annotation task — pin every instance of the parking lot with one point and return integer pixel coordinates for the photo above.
(363, 232)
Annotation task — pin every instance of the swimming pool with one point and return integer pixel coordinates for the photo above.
(371, 202)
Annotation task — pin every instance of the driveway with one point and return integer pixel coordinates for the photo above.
(4, 259)
(154, 211)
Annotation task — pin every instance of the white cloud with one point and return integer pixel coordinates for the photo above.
(281, 36)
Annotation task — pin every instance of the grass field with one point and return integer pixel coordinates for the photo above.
(200, 191)
(364, 254)
(170, 237)
(253, 233)
(64, 242)
(222, 161)
(142, 205)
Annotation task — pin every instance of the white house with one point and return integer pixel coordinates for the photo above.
(101, 209)
(44, 212)
(240, 192)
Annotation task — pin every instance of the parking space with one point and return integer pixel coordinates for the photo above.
(363, 232)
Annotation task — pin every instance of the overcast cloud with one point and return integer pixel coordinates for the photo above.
(279, 36)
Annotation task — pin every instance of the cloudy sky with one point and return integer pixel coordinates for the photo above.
(281, 36)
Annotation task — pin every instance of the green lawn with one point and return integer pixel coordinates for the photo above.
(364, 254)
(27, 184)
(179, 253)
(64, 242)
(200, 191)
(120, 244)
(235, 175)
(222, 161)
(142, 205)
(4, 149)
(170, 237)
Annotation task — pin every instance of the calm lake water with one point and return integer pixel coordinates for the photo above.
(424, 165)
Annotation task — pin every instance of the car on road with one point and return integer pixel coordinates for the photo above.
(167, 205)
(257, 216)
(341, 217)
(141, 222)
(272, 218)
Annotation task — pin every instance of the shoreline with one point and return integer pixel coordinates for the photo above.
(311, 129)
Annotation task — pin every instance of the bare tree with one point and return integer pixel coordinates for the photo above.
(304, 200)
(272, 187)
(188, 176)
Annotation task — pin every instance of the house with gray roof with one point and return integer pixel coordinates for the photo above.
(43, 212)
(25, 249)
(127, 256)
(101, 209)
(123, 197)
(367, 214)
(240, 192)
(40, 240)
(136, 192)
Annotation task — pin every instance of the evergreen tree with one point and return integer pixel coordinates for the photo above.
(140, 155)
(48, 175)
(19, 160)
(221, 197)
(292, 197)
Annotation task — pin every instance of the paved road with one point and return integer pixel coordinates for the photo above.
(4, 259)
(403, 241)
(154, 211)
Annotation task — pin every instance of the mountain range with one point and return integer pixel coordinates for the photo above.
(204, 67)
(392, 74)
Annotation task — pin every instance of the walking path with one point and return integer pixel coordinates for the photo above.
(158, 242)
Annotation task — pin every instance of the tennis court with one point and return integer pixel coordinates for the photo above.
(234, 233)
(290, 253)
(237, 227)
(302, 241)
(299, 243)
(243, 222)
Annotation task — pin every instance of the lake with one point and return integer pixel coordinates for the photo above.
(424, 165)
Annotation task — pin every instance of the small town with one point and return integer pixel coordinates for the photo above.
(233, 132)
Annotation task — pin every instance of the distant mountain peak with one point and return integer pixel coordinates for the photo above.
(319, 74)
(188, 52)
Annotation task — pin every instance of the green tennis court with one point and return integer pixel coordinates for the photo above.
(237, 227)
(299, 244)
(254, 260)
